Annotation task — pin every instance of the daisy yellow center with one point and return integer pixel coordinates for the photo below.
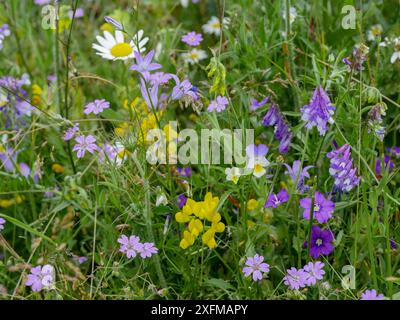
(258, 168)
(216, 25)
(121, 50)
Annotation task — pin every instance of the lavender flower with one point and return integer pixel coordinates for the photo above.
(182, 89)
(146, 249)
(4, 32)
(319, 112)
(184, 172)
(357, 59)
(8, 158)
(113, 22)
(323, 208)
(2, 223)
(181, 201)
(341, 168)
(219, 104)
(79, 13)
(97, 106)
(145, 64)
(389, 165)
(372, 295)
(315, 271)
(375, 121)
(129, 246)
(192, 39)
(42, 2)
(70, 132)
(24, 170)
(298, 175)
(254, 104)
(256, 266)
(149, 94)
(321, 242)
(274, 117)
(395, 152)
(158, 78)
(41, 278)
(275, 200)
(295, 279)
(85, 144)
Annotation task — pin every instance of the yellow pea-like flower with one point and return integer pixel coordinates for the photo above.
(181, 217)
(187, 240)
(208, 239)
(195, 227)
(57, 168)
(218, 227)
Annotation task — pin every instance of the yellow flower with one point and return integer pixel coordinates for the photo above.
(252, 204)
(187, 240)
(57, 168)
(122, 130)
(5, 203)
(209, 206)
(250, 224)
(195, 227)
(36, 90)
(107, 27)
(218, 227)
(19, 199)
(208, 238)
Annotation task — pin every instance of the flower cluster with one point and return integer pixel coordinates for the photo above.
(357, 59)
(341, 168)
(375, 121)
(307, 276)
(131, 247)
(275, 118)
(41, 278)
(196, 214)
(318, 113)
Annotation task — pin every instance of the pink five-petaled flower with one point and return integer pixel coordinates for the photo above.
(41, 278)
(70, 132)
(97, 106)
(219, 104)
(323, 208)
(315, 271)
(295, 279)
(84, 144)
(274, 200)
(129, 246)
(144, 64)
(147, 249)
(255, 266)
(372, 295)
(192, 38)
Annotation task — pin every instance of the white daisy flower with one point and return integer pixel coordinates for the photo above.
(374, 32)
(396, 53)
(233, 174)
(213, 26)
(194, 56)
(115, 48)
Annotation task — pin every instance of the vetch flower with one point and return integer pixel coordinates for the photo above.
(85, 143)
(115, 48)
(192, 38)
(256, 160)
(321, 242)
(219, 104)
(181, 201)
(389, 165)
(372, 295)
(274, 200)
(145, 64)
(319, 112)
(146, 249)
(233, 174)
(358, 57)
(129, 246)
(341, 168)
(315, 271)
(41, 278)
(4, 32)
(255, 266)
(295, 279)
(97, 106)
(194, 56)
(323, 208)
(298, 175)
(254, 104)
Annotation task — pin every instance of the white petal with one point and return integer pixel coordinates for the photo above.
(103, 42)
(119, 36)
(100, 48)
(110, 38)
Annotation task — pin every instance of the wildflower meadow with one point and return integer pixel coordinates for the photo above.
(199, 149)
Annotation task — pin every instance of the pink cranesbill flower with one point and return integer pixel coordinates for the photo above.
(129, 246)
(315, 271)
(41, 278)
(192, 38)
(97, 106)
(219, 104)
(70, 132)
(256, 266)
(146, 249)
(295, 279)
(323, 208)
(85, 144)
(372, 295)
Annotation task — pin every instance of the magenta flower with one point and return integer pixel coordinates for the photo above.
(295, 279)
(341, 168)
(372, 295)
(129, 246)
(146, 249)
(192, 38)
(97, 106)
(70, 132)
(321, 242)
(315, 271)
(2, 223)
(219, 104)
(144, 64)
(254, 104)
(256, 266)
(319, 112)
(41, 278)
(323, 208)
(85, 144)
(274, 200)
